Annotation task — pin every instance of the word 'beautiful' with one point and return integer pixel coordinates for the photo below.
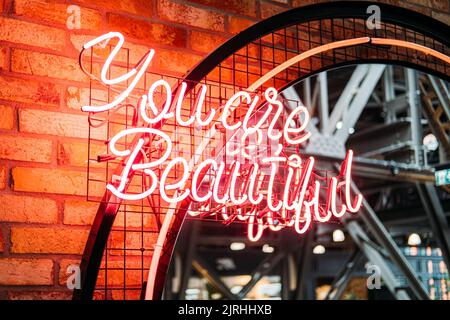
(238, 185)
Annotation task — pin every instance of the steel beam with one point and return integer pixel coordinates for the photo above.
(262, 270)
(373, 255)
(443, 95)
(359, 101)
(389, 95)
(291, 95)
(307, 93)
(415, 114)
(388, 85)
(213, 278)
(392, 174)
(343, 277)
(323, 110)
(346, 96)
(382, 169)
(285, 278)
(303, 266)
(383, 237)
(436, 217)
(389, 137)
(395, 106)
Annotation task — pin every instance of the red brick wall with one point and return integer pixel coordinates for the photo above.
(44, 218)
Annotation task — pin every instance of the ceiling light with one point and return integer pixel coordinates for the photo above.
(319, 249)
(236, 289)
(225, 264)
(430, 142)
(339, 125)
(268, 249)
(192, 291)
(216, 296)
(414, 239)
(338, 235)
(236, 246)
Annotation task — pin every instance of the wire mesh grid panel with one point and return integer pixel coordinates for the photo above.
(130, 246)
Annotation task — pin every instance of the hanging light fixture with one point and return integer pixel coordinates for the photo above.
(338, 235)
(319, 249)
(414, 239)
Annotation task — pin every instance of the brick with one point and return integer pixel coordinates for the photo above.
(25, 149)
(205, 42)
(2, 242)
(302, 3)
(443, 17)
(414, 7)
(3, 177)
(152, 33)
(116, 274)
(26, 271)
(3, 58)
(30, 91)
(63, 266)
(440, 5)
(40, 295)
(7, 117)
(174, 61)
(14, 208)
(76, 154)
(136, 51)
(138, 7)
(189, 15)
(32, 34)
(425, 3)
(269, 9)
(79, 212)
(99, 295)
(49, 11)
(83, 213)
(46, 65)
(48, 240)
(56, 123)
(49, 180)
(237, 24)
(130, 294)
(244, 7)
(77, 97)
(133, 240)
(135, 218)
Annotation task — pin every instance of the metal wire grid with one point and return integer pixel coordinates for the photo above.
(130, 246)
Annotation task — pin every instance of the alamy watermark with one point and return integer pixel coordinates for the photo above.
(74, 278)
(374, 279)
(74, 19)
(374, 20)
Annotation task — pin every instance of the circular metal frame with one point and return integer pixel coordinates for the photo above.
(109, 206)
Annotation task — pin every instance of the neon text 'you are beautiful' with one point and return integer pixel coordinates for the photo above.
(250, 188)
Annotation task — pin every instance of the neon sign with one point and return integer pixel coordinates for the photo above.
(250, 185)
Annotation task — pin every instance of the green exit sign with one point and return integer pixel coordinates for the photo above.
(442, 177)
